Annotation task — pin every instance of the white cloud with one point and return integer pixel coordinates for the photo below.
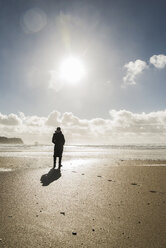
(34, 121)
(159, 61)
(53, 119)
(126, 121)
(68, 119)
(10, 119)
(133, 70)
(122, 126)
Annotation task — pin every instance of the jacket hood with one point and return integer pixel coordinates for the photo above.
(58, 132)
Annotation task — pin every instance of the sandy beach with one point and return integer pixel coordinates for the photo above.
(101, 205)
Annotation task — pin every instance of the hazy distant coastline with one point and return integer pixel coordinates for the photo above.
(5, 140)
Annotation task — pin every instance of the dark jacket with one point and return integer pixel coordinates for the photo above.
(59, 141)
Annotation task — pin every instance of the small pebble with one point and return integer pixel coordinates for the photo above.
(93, 230)
(74, 233)
(139, 222)
(10, 216)
(0, 240)
(62, 213)
(37, 215)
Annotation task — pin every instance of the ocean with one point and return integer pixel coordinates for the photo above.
(123, 152)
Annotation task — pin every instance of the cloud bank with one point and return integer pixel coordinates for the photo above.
(134, 68)
(121, 127)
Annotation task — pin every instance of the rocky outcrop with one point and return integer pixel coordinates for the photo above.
(4, 140)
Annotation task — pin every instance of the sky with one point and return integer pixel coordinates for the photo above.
(120, 47)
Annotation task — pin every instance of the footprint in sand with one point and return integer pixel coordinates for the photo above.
(134, 184)
(99, 176)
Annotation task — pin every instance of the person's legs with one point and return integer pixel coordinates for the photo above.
(60, 159)
(54, 162)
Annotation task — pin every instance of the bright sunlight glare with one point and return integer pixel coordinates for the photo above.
(71, 69)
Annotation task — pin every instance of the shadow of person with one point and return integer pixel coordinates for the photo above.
(51, 176)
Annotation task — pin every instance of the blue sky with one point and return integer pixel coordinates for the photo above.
(118, 31)
(108, 36)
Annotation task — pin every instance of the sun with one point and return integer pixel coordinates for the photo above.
(71, 69)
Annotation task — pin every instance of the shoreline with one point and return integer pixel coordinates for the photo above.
(16, 163)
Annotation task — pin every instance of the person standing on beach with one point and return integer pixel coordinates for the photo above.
(59, 141)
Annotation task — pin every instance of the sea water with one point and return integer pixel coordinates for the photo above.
(115, 152)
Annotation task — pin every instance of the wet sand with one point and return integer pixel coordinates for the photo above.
(97, 205)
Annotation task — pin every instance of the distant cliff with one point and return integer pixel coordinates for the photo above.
(4, 140)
